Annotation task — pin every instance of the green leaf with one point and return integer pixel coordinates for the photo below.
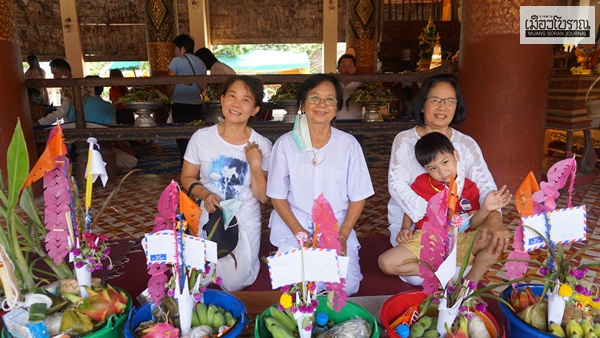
(27, 202)
(17, 163)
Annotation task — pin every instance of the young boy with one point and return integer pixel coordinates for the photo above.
(437, 155)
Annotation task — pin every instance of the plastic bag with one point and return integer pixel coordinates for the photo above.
(201, 331)
(353, 328)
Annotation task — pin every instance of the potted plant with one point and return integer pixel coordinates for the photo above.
(285, 97)
(212, 102)
(144, 100)
(372, 96)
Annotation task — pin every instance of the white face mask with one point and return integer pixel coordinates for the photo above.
(177, 51)
(64, 76)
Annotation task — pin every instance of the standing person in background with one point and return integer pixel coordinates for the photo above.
(212, 63)
(60, 69)
(350, 110)
(124, 114)
(36, 72)
(186, 97)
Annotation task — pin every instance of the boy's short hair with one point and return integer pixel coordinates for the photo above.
(431, 145)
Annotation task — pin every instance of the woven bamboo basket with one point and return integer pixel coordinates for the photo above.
(592, 106)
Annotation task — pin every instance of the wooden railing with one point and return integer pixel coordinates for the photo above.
(78, 84)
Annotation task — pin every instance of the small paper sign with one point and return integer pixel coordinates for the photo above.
(160, 249)
(566, 225)
(320, 265)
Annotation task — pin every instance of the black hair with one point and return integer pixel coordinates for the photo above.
(315, 80)
(33, 61)
(117, 73)
(61, 64)
(347, 56)
(430, 146)
(31, 91)
(253, 83)
(97, 89)
(461, 111)
(184, 40)
(206, 56)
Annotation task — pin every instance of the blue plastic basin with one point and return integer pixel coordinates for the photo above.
(515, 326)
(223, 299)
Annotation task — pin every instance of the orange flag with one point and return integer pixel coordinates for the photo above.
(191, 211)
(54, 148)
(523, 200)
(452, 195)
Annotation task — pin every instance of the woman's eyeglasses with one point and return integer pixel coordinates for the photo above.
(315, 99)
(438, 101)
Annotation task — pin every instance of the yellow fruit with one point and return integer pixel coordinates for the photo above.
(574, 329)
(556, 330)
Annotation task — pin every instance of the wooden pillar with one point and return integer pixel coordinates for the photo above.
(199, 22)
(505, 85)
(13, 92)
(330, 36)
(362, 34)
(161, 25)
(72, 37)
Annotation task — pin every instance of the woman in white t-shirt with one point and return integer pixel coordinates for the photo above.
(329, 162)
(227, 162)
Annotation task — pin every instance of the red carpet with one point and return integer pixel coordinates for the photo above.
(134, 278)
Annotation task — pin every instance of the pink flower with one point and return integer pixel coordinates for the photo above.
(480, 307)
(218, 280)
(207, 269)
(79, 264)
(543, 271)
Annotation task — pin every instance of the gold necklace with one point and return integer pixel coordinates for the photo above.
(314, 160)
(431, 184)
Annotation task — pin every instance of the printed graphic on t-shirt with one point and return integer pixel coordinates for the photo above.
(229, 174)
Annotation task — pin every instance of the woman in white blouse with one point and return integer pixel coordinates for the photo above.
(439, 105)
(320, 160)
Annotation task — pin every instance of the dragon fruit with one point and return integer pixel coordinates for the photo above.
(159, 330)
(102, 302)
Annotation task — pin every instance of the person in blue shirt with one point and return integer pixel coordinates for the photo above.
(95, 108)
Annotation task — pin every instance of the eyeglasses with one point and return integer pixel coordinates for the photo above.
(438, 101)
(315, 99)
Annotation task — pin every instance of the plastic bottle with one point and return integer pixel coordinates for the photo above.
(402, 330)
(320, 323)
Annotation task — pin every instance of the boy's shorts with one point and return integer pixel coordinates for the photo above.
(464, 240)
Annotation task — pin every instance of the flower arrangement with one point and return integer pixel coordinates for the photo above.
(372, 91)
(564, 282)
(299, 299)
(92, 251)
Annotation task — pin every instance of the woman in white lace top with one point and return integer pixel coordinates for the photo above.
(439, 105)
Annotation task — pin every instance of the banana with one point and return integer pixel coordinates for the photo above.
(201, 310)
(228, 317)
(586, 326)
(280, 332)
(210, 314)
(274, 325)
(556, 330)
(287, 322)
(591, 334)
(219, 321)
(596, 329)
(574, 329)
(195, 318)
(231, 322)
